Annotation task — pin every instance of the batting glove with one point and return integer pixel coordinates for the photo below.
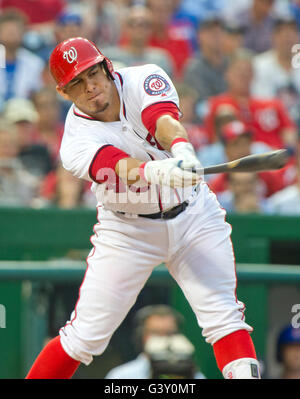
(167, 173)
(184, 152)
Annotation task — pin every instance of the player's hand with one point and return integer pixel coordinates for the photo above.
(167, 173)
(187, 159)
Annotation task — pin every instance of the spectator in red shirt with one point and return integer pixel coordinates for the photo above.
(179, 48)
(237, 141)
(268, 119)
(37, 11)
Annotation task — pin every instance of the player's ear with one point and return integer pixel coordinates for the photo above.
(61, 91)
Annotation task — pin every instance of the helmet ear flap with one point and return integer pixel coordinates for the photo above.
(108, 68)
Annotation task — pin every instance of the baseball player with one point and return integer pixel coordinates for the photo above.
(123, 133)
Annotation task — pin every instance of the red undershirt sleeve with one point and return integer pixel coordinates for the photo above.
(102, 167)
(151, 114)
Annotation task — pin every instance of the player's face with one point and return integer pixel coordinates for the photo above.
(93, 93)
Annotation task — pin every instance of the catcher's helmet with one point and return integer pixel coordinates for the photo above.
(73, 56)
(289, 335)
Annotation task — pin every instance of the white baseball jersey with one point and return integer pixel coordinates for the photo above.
(138, 88)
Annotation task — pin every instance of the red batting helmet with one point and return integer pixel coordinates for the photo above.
(73, 56)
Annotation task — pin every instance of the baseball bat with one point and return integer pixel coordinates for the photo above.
(252, 163)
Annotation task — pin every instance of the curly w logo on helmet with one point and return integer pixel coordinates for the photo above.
(70, 55)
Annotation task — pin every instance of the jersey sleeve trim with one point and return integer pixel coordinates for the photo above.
(94, 159)
(153, 112)
(104, 162)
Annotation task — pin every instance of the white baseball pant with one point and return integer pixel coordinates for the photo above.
(197, 250)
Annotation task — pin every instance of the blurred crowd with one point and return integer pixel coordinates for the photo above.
(235, 64)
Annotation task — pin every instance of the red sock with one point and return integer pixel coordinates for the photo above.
(53, 363)
(232, 347)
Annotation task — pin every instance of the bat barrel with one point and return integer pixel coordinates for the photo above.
(252, 163)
